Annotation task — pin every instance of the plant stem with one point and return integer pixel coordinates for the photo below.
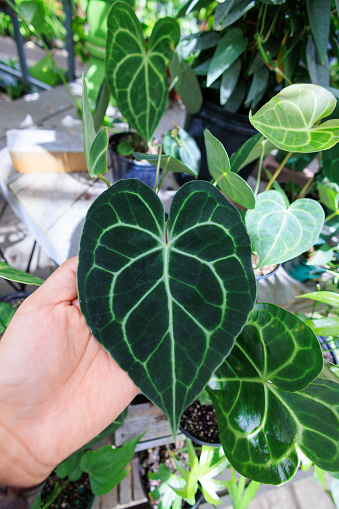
(219, 179)
(277, 172)
(261, 159)
(104, 179)
(331, 216)
(163, 174)
(305, 189)
(158, 167)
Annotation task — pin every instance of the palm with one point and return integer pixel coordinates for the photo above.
(58, 384)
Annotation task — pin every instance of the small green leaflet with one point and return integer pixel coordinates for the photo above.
(95, 145)
(12, 274)
(329, 298)
(267, 401)
(136, 70)
(280, 233)
(231, 184)
(287, 120)
(167, 309)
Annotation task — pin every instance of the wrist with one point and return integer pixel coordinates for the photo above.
(19, 468)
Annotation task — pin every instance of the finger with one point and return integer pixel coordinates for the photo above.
(61, 286)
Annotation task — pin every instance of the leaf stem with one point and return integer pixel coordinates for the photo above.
(104, 179)
(305, 189)
(223, 175)
(277, 172)
(261, 159)
(158, 167)
(331, 216)
(163, 173)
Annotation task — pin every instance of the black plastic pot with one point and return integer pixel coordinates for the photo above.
(232, 129)
(201, 418)
(265, 276)
(197, 440)
(124, 168)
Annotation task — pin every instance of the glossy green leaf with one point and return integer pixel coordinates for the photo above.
(239, 8)
(186, 83)
(166, 162)
(329, 195)
(136, 70)
(184, 148)
(231, 184)
(6, 314)
(107, 466)
(12, 274)
(183, 298)
(319, 14)
(330, 160)
(258, 88)
(267, 404)
(229, 80)
(287, 119)
(328, 326)
(229, 48)
(329, 298)
(95, 145)
(280, 233)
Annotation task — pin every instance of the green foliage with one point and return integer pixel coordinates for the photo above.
(240, 495)
(267, 402)
(280, 233)
(12, 274)
(188, 290)
(136, 70)
(6, 314)
(288, 119)
(180, 145)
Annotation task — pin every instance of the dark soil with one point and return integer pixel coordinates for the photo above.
(140, 146)
(200, 422)
(151, 459)
(262, 271)
(75, 495)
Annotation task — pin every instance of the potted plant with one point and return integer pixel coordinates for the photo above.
(254, 50)
(174, 305)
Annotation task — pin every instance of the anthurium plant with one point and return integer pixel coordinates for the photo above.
(173, 303)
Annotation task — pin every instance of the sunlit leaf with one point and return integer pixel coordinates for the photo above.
(329, 194)
(329, 298)
(148, 296)
(12, 274)
(328, 326)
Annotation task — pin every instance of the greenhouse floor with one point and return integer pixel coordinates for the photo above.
(16, 241)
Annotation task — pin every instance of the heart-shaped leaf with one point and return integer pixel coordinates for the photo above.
(135, 70)
(267, 404)
(231, 184)
(280, 233)
(287, 120)
(167, 307)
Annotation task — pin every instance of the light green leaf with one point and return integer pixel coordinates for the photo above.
(319, 14)
(229, 80)
(12, 274)
(329, 298)
(229, 48)
(136, 70)
(107, 467)
(70, 467)
(188, 152)
(329, 195)
(188, 293)
(328, 326)
(170, 163)
(331, 164)
(186, 84)
(287, 119)
(280, 233)
(323, 255)
(267, 404)
(95, 145)
(231, 184)
(6, 314)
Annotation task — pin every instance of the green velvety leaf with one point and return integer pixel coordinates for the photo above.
(328, 326)
(319, 14)
(136, 70)
(95, 145)
(265, 406)
(231, 184)
(258, 87)
(6, 314)
(229, 80)
(188, 152)
(229, 48)
(186, 84)
(170, 163)
(106, 466)
(329, 195)
(8, 272)
(287, 119)
(183, 297)
(331, 164)
(280, 233)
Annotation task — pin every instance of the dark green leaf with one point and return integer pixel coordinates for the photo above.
(287, 119)
(319, 73)
(6, 314)
(8, 272)
(183, 298)
(70, 467)
(187, 85)
(136, 72)
(101, 105)
(319, 14)
(239, 158)
(258, 88)
(265, 405)
(229, 80)
(331, 163)
(280, 233)
(230, 47)
(107, 466)
(231, 184)
(239, 8)
(237, 97)
(125, 148)
(193, 5)
(221, 12)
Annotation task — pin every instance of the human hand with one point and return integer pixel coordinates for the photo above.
(59, 387)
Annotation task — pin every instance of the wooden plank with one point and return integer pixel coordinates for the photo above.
(138, 494)
(125, 490)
